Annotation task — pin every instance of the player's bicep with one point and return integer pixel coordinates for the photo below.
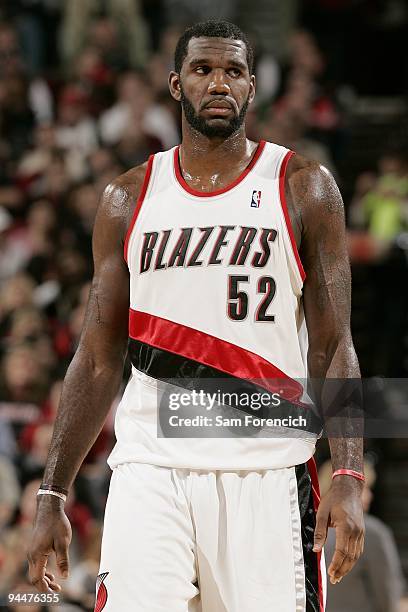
(324, 253)
(104, 333)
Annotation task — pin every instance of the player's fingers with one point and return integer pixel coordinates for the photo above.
(355, 545)
(320, 534)
(358, 547)
(52, 584)
(362, 543)
(350, 559)
(348, 563)
(61, 551)
(341, 552)
(37, 564)
(348, 546)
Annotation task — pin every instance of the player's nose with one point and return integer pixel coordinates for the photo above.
(218, 83)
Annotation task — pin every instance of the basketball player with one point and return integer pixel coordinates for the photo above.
(226, 250)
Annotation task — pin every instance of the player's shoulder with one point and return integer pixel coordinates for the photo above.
(121, 194)
(119, 199)
(307, 171)
(129, 183)
(311, 185)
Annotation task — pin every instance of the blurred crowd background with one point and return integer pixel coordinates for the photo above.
(83, 97)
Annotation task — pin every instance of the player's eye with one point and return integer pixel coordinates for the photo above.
(234, 72)
(202, 69)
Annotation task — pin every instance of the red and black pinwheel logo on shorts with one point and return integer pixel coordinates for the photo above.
(101, 593)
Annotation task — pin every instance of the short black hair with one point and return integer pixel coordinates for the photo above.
(211, 29)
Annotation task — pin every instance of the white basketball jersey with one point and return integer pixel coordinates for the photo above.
(215, 290)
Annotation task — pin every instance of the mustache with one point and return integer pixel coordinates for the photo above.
(222, 99)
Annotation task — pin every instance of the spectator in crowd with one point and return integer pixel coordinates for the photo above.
(304, 118)
(24, 379)
(381, 201)
(9, 492)
(135, 104)
(161, 62)
(36, 95)
(289, 128)
(116, 27)
(76, 132)
(103, 167)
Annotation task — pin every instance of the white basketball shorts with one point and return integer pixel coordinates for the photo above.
(178, 540)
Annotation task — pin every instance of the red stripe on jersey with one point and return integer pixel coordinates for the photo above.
(311, 465)
(102, 594)
(284, 205)
(217, 192)
(211, 351)
(138, 206)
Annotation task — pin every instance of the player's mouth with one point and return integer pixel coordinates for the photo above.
(220, 108)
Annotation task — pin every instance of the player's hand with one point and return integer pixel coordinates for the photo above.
(341, 508)
(52, 533)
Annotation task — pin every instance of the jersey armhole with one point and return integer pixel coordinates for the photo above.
(284, 205)
(138, 206)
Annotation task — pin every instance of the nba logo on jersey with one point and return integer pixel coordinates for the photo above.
(256, 198)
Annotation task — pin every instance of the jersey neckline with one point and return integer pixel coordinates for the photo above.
(209, 194)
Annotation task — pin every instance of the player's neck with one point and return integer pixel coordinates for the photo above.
(203, 158)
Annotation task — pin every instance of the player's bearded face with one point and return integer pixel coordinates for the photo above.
(212, 127)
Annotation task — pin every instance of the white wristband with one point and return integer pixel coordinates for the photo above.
(55, 493)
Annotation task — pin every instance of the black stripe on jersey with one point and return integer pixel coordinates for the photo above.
(194, 375)
(308, 522)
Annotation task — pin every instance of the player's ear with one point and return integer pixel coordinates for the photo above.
(175, 85)
(252, 88)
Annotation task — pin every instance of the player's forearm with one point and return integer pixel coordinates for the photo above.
(87, 396)
(337, 377)
(346, 432)
(347, 453)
